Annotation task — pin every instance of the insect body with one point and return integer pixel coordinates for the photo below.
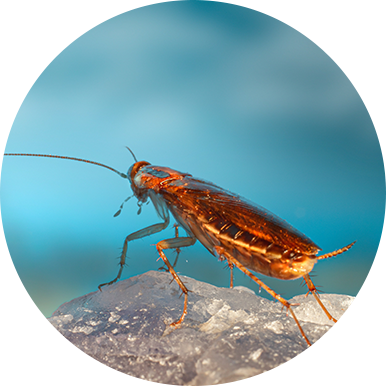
(244, 234)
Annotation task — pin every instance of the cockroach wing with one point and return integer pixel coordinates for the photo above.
(196, 202)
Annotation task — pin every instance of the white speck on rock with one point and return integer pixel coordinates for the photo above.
(221, 320)
(256, 354)
(82, 329)
(59, 321)
(114, 317)
(94, 322)
(275, 326)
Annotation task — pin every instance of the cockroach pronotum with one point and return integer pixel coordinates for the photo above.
(244, 234)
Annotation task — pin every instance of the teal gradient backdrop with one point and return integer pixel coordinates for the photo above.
(222, 92)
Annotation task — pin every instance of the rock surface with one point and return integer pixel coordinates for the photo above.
(227, 335)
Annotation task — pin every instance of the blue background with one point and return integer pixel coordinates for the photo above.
(222, 92)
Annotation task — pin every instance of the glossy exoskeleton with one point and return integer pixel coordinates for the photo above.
(244, 234)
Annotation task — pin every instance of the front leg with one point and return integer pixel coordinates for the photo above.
(150, 230)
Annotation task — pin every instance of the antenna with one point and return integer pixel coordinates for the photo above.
(69, 158)
(135, 159)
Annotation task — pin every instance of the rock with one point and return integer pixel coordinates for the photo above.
(227, 335)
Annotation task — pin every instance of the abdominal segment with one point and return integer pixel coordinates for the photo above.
(261, 255)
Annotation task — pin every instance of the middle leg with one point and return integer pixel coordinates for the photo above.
(176, 242)
(178, 251)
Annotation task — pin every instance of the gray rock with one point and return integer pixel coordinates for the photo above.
(227, 335)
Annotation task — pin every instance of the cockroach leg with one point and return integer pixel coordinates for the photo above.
(312, 289)
(221, 251)
(176, 242)
(155, 228)
(178, 250)
(231, 266)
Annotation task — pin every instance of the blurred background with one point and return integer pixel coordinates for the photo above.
(222, 92)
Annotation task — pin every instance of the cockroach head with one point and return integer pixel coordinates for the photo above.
(140, 194)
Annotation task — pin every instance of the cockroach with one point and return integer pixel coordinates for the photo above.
(231, 228)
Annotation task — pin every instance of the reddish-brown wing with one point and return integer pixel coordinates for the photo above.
(203, 202)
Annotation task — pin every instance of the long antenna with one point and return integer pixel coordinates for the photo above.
(70, 158)
(135, 158)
